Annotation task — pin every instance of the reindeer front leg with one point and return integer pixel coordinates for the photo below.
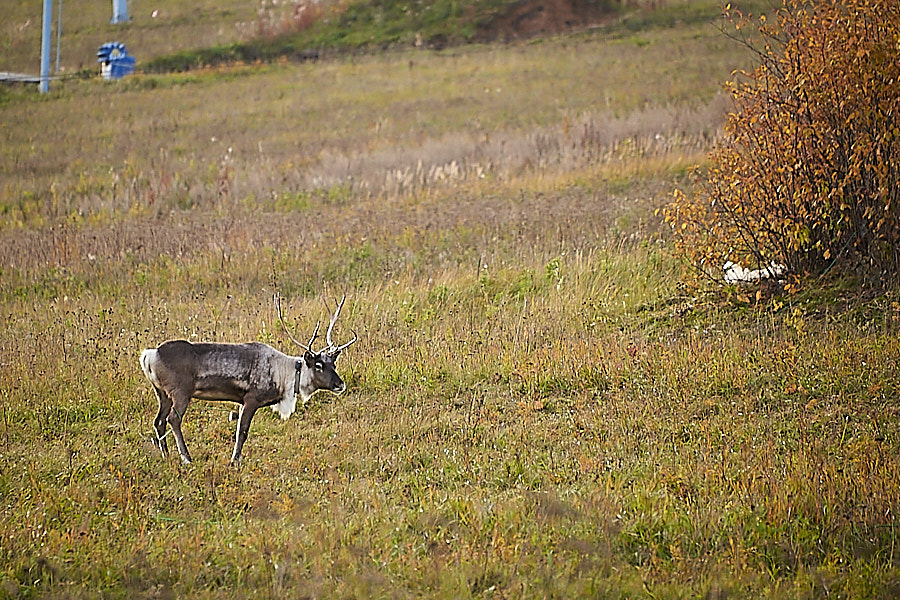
(245, 416)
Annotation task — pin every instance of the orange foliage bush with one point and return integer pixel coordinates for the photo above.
(807, 175)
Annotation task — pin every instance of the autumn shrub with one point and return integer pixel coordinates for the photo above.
(805, 180)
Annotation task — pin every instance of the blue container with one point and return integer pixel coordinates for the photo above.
(115, 62)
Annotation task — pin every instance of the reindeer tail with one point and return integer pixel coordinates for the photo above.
(148, 361)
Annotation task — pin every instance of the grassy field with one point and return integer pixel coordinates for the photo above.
(536, 407)
(178, 25)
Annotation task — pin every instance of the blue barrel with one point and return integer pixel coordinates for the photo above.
(115, 62)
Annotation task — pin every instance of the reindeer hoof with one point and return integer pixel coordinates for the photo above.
(159, 445)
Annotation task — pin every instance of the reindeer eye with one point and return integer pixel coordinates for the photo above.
(319, 366)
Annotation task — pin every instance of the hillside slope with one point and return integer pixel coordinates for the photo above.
(181, 34)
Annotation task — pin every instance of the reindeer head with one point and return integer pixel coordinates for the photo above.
(320, 373)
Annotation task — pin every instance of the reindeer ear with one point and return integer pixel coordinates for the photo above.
(335, 355)
(309, 358)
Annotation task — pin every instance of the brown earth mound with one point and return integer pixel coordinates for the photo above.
(530, 18)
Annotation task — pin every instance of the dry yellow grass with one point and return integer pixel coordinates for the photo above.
(534, 409)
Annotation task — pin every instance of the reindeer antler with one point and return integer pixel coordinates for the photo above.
(313, 338)
(277, 298)
(331, 348)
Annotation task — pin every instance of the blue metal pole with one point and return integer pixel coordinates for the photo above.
(45, 47)
(58, 35)
(120, 11)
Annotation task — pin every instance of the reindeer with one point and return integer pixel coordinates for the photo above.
(252, 374)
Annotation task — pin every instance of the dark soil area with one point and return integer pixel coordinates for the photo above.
(530, 18)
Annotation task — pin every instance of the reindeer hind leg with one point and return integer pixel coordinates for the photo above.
(179, 407)
(159, 423)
